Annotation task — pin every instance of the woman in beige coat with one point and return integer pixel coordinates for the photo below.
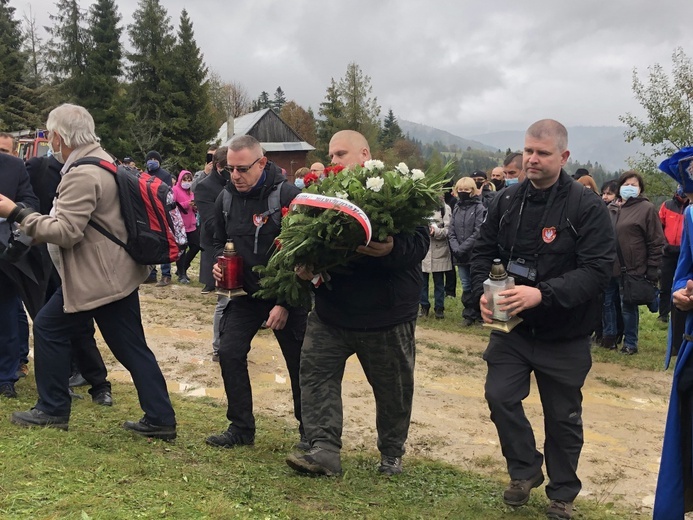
(437, 262)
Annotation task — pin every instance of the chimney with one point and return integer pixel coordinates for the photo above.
(229, 128)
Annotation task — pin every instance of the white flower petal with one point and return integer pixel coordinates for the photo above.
(402, 168)
(375, 183)
(417, 175)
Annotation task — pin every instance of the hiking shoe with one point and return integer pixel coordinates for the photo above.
(440, 314)
(184, 280)
(77, 379)
(215, 357)
(468, 322)
(517, 492)
(22, 371)
(150, 279)
(390, 465)
(207, 289)
(7, 390)
(316, 462)
(155, 431)
(423, 312)
(103, 398)
(229, 439)
(559, 510)
(609, 342)
(36, 417)
(629, 351)
(165, 280)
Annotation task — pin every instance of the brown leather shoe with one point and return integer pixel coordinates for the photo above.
(517, 492)
(559, 510)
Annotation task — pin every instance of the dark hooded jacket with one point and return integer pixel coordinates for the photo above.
(565, 234)
(240, 227)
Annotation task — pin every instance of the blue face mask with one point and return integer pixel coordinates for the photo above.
(300, 183)
(510, 182)
(627, 192)
(152, 165)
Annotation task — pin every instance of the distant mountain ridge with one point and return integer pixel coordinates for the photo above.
(603, 144)
(428, 135)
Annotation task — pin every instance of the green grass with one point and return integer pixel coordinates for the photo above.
(97, 470)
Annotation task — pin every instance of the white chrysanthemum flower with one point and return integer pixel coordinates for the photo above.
(375, 183)
(374, 164)
(342, 195)
(402, 168)
(417, 175)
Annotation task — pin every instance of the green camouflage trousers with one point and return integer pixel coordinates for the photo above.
(387, 357)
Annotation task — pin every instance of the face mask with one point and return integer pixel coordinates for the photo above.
(58, 155)
(479, 184)
(186, 185)
(463, 196)
(225, 174)
(627, 192)
(510, 182)
(498, 183)
(152, 164)
(300, 183)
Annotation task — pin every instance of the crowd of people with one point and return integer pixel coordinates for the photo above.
(568, 249)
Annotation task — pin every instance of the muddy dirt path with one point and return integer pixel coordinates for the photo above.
(624, 409)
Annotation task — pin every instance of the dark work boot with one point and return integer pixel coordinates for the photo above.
(517, 492)
(423, 312)
(316, 462)
(440, 314)
(146, 429)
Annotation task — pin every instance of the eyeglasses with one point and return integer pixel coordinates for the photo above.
(242, 169)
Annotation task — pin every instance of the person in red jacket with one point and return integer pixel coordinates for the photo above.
(671, 216)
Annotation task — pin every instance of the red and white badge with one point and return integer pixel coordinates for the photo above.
(548, 234)
(259, 220)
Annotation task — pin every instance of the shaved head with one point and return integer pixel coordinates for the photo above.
(550, 129)
(349, 148)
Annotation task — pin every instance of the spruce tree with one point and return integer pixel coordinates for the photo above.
(104, 97)
(152, 105)
(67, 52)
(279, 100)
(391, 132)
(262, 102)
(361, 111)
(195, 126)
(331, 120)
(17, 112)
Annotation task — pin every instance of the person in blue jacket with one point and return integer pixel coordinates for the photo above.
(674, 495)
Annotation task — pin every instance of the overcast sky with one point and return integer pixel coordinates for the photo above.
(465, 66)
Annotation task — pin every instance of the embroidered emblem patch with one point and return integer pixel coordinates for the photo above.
(259, 220)
(548, 234)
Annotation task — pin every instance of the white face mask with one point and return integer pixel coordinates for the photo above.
(627, 192)
(59, 154)
(185, 185)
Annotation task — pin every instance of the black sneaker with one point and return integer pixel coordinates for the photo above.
(663, 318)
(390, 465)
(316, 462)
(103, 398)
(144, 428)
(559, 510)
(629, 351)
(7, 390)
(440, 314)
(36, 417)
(468, 322)
(517, 492)
(229, 439)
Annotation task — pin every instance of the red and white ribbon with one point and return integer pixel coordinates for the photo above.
(334, 203)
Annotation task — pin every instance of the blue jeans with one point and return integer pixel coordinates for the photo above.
(120, 323)
(630, 313)
(438, 290)
(471, 309)
(165, 271)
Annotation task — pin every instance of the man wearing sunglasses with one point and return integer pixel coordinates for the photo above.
(248, 221)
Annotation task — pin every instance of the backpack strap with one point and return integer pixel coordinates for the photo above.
(110, 167)
(274, 207)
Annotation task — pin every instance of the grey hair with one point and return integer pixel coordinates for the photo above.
(549, 128)
(74, 124)
(242, 142)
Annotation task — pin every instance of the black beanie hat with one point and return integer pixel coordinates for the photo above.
(153, 155)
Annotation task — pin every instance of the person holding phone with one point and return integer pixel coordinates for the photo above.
(209, 165)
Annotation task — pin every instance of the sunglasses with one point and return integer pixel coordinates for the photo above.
(242, 169)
